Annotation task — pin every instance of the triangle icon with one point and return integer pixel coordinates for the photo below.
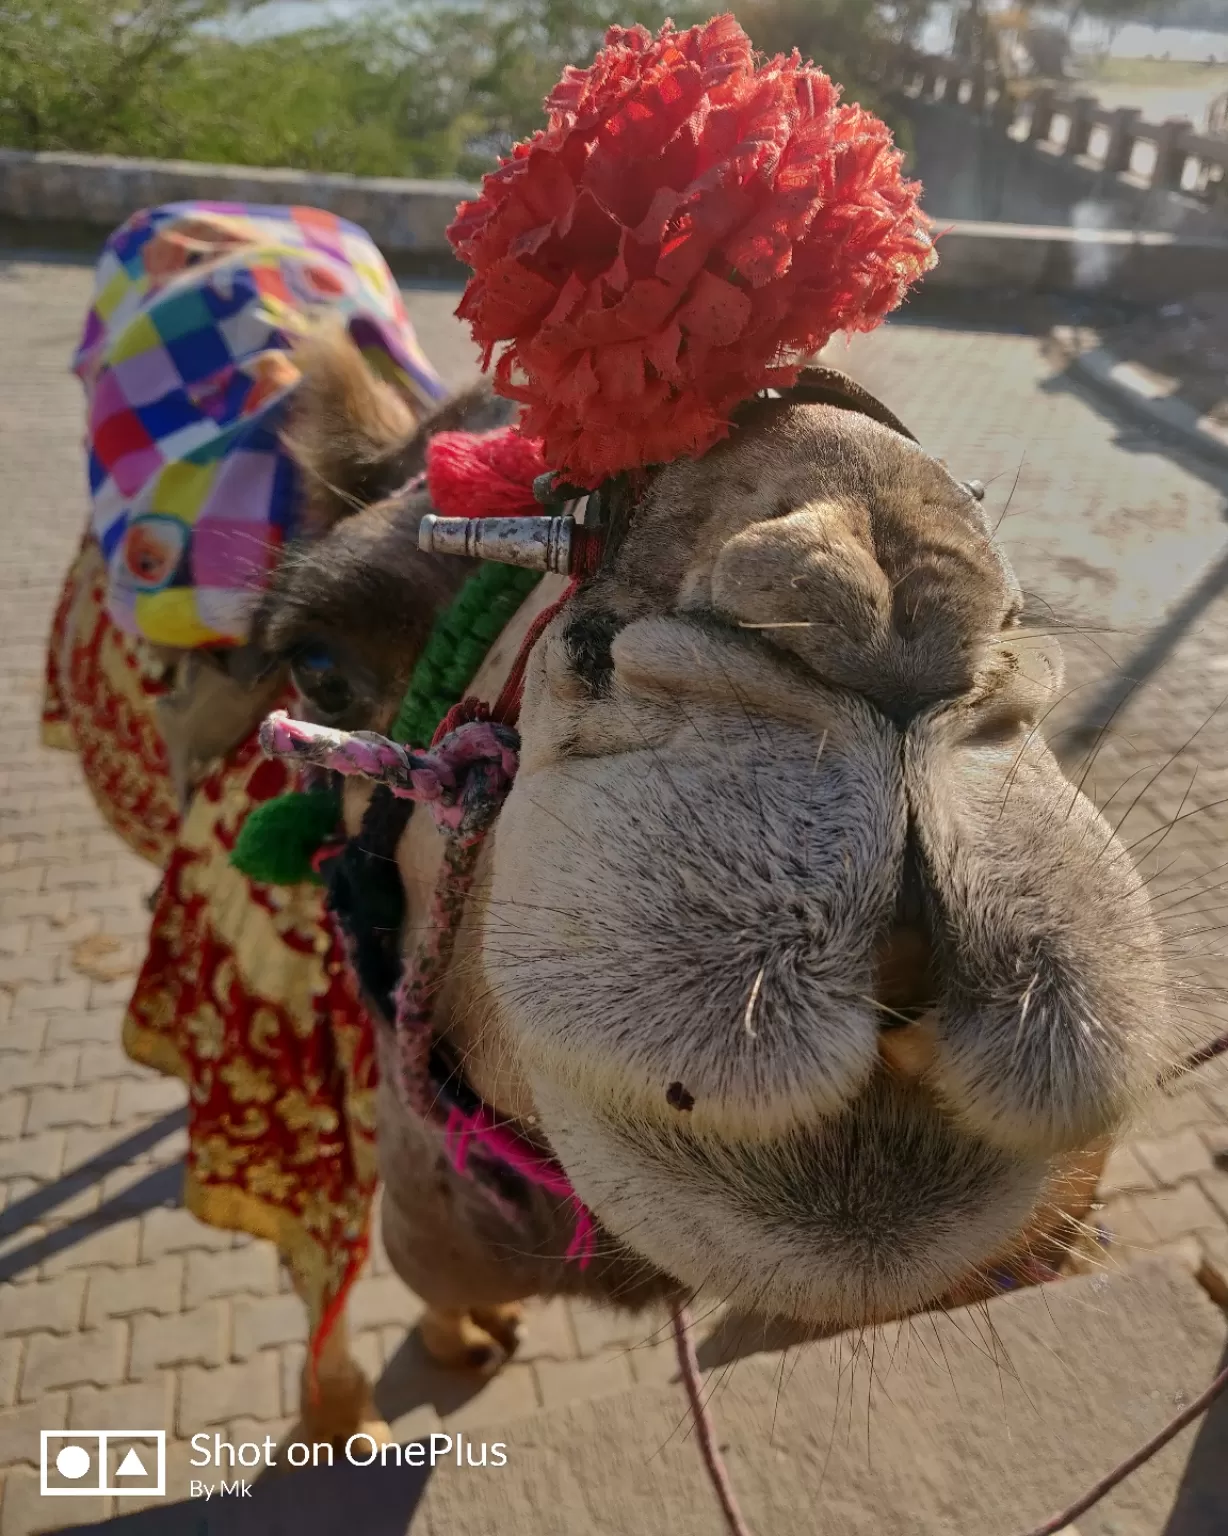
(131, 1466)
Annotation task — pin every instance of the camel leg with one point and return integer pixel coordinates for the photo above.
(480, 1339)
(342, 1403)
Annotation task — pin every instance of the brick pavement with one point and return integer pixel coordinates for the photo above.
(117, 1307)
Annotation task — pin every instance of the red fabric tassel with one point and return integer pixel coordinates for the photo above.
(483, 474)
(692, 221)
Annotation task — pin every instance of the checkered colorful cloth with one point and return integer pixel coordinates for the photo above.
(187, 366)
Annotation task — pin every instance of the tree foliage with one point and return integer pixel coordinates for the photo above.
(74, 73)
(427, 88)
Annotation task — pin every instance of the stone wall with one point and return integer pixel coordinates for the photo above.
(61, 200)
(992, 149)
(971, 169)
(91, 194)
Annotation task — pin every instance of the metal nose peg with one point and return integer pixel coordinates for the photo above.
(535, 543)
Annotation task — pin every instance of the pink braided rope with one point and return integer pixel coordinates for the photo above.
(464, 779)
(437, 778)
(480, 1127)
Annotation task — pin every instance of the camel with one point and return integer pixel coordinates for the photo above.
(763, 952)
(792, 942)
(817, 874)
(792, 972)
(242, 993)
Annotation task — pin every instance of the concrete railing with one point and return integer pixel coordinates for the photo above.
(97, 192)
(59, 196)
(1172, 156)
(1147, 267)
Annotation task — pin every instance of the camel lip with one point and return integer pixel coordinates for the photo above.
(842, 1225)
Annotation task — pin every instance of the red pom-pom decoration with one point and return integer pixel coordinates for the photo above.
(483, 474)
(686, 231)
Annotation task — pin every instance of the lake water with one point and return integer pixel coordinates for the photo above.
(288, 15)
(1189, 100)
(1132, 42)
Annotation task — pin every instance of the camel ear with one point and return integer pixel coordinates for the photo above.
(828, 386)
(347, 430)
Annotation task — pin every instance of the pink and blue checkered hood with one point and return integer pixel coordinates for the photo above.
(187, 362)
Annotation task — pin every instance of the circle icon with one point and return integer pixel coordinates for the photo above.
(73, 1462)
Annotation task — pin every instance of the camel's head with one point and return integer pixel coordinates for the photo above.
(815, 965)
(792, 938)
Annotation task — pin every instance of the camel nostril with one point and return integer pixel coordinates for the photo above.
(905, 997)
(910, 1050)
(904, 989)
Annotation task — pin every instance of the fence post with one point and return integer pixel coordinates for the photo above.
(1043, 102)
(1082, 109)
(1121, 140)
(1005, 108)
(1170, 157)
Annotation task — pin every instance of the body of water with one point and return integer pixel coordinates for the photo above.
(1135, 42)
(1188, 99)
(1132, 42)
(291, 15)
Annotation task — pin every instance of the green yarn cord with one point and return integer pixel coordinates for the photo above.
(458, 643)
(277, 840)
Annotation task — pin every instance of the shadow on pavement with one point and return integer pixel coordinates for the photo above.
(160, 1186)
(320, 1501)
(1137, 433)
(1201, 1505)
(1036, 314)
(1147, 660)
(411, 1379)
(735, 1337)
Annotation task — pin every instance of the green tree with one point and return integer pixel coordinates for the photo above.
(432, 88)
(852, 40)
(81, 73)
(476, 76)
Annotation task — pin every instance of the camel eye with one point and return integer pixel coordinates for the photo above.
(588, 640)
(319, 679)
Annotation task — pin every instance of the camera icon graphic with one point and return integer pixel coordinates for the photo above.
(77, 1463)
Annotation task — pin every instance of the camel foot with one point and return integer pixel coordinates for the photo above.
(342, 1405)
(481, 1340)
(304, 1432)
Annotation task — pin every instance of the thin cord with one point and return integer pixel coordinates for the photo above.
(1198, 1058)
(719, 1473)
(1059, 1522)
(688, 1363)
(1132, 1463)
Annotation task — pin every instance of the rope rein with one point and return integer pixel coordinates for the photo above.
(1058, 1523)
(692, 1381)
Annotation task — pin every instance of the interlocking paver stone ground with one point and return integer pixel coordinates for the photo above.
(115, 1303)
